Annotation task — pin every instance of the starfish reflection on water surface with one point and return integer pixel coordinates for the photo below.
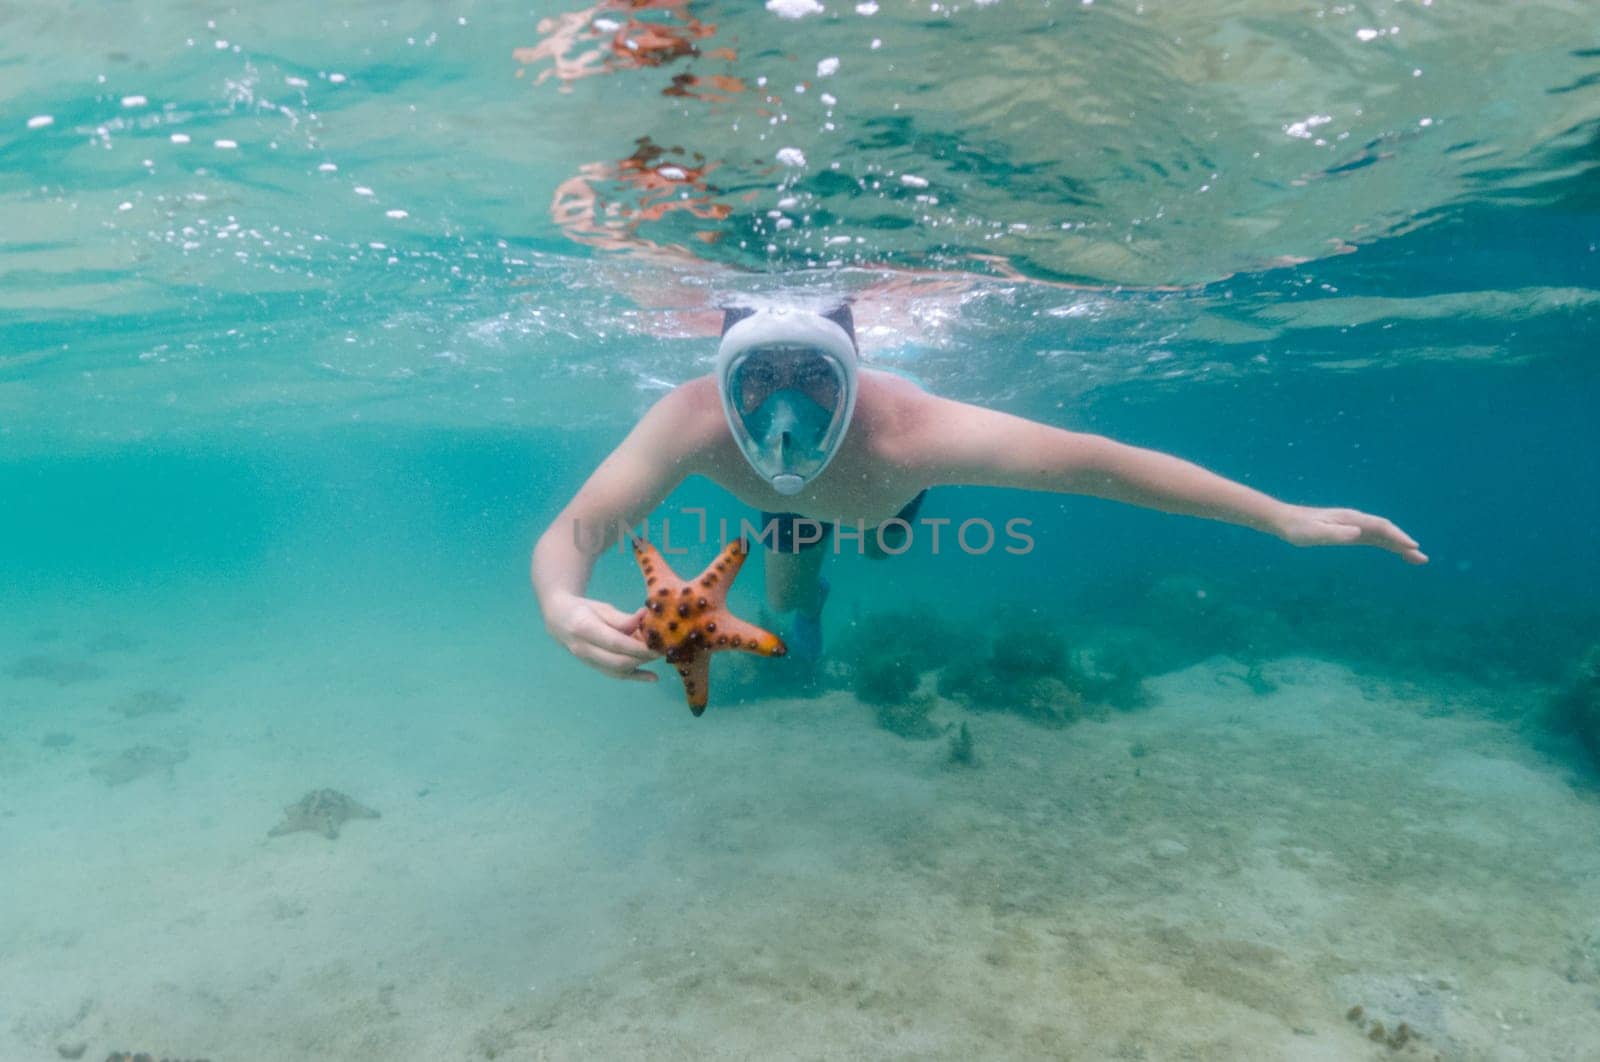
(689, 620)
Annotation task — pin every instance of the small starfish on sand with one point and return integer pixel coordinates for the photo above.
(321, 811)
(688, 621)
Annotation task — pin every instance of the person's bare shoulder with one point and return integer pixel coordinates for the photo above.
(694, 400)
(901, 416)
(686, 422)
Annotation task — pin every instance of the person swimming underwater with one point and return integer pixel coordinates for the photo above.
(793, 425)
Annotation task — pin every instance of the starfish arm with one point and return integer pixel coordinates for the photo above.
(720, 573)
(748, 638)
(696, 675)
(650, 562)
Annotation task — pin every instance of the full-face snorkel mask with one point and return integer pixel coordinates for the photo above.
(787, 378)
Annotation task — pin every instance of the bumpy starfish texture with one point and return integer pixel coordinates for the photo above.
(689, 620)
(321, 811)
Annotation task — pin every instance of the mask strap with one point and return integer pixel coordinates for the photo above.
(839, 315)
(732, 315)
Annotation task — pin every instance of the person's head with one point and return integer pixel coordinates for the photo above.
(787, 378)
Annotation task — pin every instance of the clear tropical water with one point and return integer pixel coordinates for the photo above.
(313, 316)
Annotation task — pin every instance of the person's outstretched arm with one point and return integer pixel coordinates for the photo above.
(654, 458)
(969, 444)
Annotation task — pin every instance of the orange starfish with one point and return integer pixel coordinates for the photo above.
(688, 621)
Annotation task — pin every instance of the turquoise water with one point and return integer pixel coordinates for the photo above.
(313, 318)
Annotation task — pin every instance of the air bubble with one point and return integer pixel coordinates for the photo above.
(794, 8)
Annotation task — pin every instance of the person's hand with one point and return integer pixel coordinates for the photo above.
(1303, 525)
(601, 636)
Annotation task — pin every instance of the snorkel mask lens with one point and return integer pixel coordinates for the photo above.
(763, 372)
(789, 417)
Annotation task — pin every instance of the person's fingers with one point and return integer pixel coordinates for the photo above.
(1390, 531)
(1393, 538)
(626, 622)
(1344, 533)
(1387, 536)
(601, 636)
(616, 665)
(1339, 527)
(1386, 529)
(1403, 537)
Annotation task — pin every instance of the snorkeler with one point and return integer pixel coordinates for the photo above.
(792, 425)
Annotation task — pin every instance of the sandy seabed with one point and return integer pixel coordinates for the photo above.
(567, 867)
